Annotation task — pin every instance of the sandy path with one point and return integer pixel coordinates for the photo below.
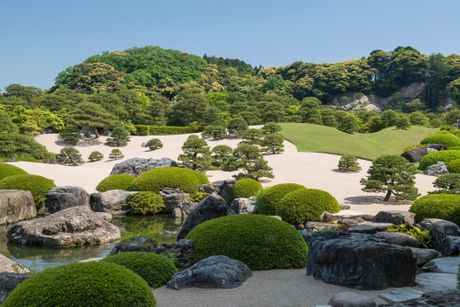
(314, 170)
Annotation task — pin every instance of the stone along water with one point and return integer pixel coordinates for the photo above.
(162, 228)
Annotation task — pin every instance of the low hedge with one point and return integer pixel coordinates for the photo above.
(437, 156)
(7, 170)
(304, 205)
(155, 269)
(441, 206)
(269, 198)
(261, 242)
(83, 284)
(115, 182)
(246, 187)
(445, 139)
(454, 166)
(37, 185)
(145, 203)
(155, 180)
(163, 130)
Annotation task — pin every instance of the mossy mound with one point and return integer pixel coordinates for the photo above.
(246, 187)
(269, 198)
(434, 157)
(115, 182)
(441, 206)
(145, 203)
(7, 170)
(37, 185)
(445, 139)
(454, 166)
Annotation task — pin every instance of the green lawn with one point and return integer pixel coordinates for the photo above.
(314, 138)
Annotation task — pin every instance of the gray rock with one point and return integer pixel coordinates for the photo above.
(370, 228)
(181, 251)
(436, 169)
(447, 298)
(437, 147)
(8, 265)
(137, 166)
(243, 205)
(318, 226)
(415, 155)
(448, 265)
(346, 218)
(351, 299)
(445, 235)
(136, 244)
(182, 210)
(401, 295)
(424, 255)
(397, 238)
(104, 215)
(9, 281)
(396, 217)
(436, 281)
(212, 272)
(76, 226)
(15, 206)
(60, 198)
(112, 202)
(224, 188)
(213, 206)
(173, 198)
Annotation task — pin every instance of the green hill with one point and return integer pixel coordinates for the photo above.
(314, 138)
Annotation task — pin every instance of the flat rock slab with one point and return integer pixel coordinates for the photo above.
(437, 281)
(401, 295)
(369, 228)
(396, 217)
(351, 299)
(447, 265)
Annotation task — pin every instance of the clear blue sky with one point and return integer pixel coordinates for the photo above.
(39, 38)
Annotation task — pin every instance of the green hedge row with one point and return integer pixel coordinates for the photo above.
(163, 130)
(441, 206)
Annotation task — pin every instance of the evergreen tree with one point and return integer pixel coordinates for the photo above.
(252, 136)
(70, 135)
(69, 156)
(196, 153)
(273, 143)
(119, 137)
(221, 155)
(249, 161)
(116, 154)
(95, 156)
(92, 115)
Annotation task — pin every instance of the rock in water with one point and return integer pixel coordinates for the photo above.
(136, 244)
(351, 299)
(396, 217)
(213, 206)
(112, 202)
(212, 272)
(9, 281)
(15, 206)
(60, 198)
(8, 265)
(137, 166)
(76, 226)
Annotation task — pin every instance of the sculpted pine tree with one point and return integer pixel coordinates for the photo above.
(221, 155)
(393, 175)
(70, 135)
(69, 156)
(93, 116)
(196, 153)
(271, 127)
(248, 159)
(119, 137)
(273, 143)
(252, 136)
(116, 154)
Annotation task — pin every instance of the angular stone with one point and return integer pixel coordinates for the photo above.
(60, 198)
(174, 198)
(401, 295)
(437, 169)
(136, 244)
(351, 299)
(397, 238)
(137, 166)
(437, 281)
(448, 265)
(224, 188)
(113, 201)
(212, 272)
(447, 298)
(181, 251)
(8, 265)
(369, 228)
(445, 235)
(346, 218)
(15, 206)
(243, 205)
(396, 217)
(415, 155)
(9, 281)
(424, 255)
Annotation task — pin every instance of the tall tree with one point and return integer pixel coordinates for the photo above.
(92, 116)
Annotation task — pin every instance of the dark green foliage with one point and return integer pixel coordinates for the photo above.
(348, 163)
(347, 122)
(248, 159)
(448, 183)
(246, 187)
(116, 154)
(92, 115)
(445, 139)
(454, 165)
(155, 144)
(145, 203)
(252, 136)
(393, 175)
(271, 127)
(221, 155)
(69, 156)
(115, 182)
(6, 125)
(155, 180)
(95, 156)
(237, 126)
(7, 170)
(155, 269)
(261, 242)
(423, 237)
(119, 137)
(402, 122)
(20, 147)
(37, 185)
(436, 156)
(98, 283)
(70, 135)
(441, 206)
(196, 153)
(269, 198)
(214, 132)
(305, 205)
(163, 130)
(272, 143)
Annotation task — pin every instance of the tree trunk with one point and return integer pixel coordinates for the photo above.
(387, 197)
(96, 132)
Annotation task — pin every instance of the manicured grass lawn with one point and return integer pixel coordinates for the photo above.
(314, 138)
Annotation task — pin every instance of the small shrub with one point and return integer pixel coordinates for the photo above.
(445, 139)
(246, 187)
(261, 242)
(155, 269)
(95, 156)
(304, 205)
(155, 144)
(349, 163)
(454, 166)
(37, 185)
(119, 137)
(116, 154)
(83, 284)
(437, 156)
(7, 170)
(198, 196)
(423, 237)
(145, 203)
(269, 198)
(448, 183)
(69, 156)
(70, 135)
(441, 206)
(115, 182)
(271, 127)
(272, 143)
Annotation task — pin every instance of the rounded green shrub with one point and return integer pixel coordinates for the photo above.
(445, 139)
(437, 156)
(454, 148)
(37, 185)
(83, 284)
(454, 166)
(155, 269)
(305, 205)
(7, 170)
(269, 198)
(246, 187)
(115, 182)
(261, 242)
(441, 206)
(145, 203)
(155, 180)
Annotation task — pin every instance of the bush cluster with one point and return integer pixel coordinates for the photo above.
(269, 198)
(155, 269)
(83, 284)
(441, 206)
(437, 156)
(445, 139)
(246, 187)
(261, 242)
(115, 182)
(37, 185)
(145, 203)
(7, 170)
(163, 130)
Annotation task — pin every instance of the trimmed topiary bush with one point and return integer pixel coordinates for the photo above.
(37, 185)
(441, 206)
(83, 284)
(115, 182)
(95, 156)
(155, 180)
(7, 170)
(437, 156)
(348, 163)
(246, 187)
(304, 205)
(145, 203)
(261, 242)
(269, 198)
(445, 139)
(155, 269)
(454, 166)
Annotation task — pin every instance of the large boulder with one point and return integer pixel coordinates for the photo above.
(136, 244)
(15, 206)
(243, 205)
(351, 299)
(397, 238)
(359, 261)
(9, 281)
(437, 169)
(424, 255)
(447, 265)
(137, 166)
(396, 217)
(76, 226)
(60, 198)
(8, 265)
(174, 198)
(415, 155)
(113, 201)
(445, 234)
(213, 206)
(212, 272)
(224, 188)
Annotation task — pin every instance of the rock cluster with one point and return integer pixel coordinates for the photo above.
(137, 166)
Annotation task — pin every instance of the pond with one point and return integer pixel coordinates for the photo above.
(35, 258)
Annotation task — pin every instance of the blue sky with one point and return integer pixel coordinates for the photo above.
(40, 38)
